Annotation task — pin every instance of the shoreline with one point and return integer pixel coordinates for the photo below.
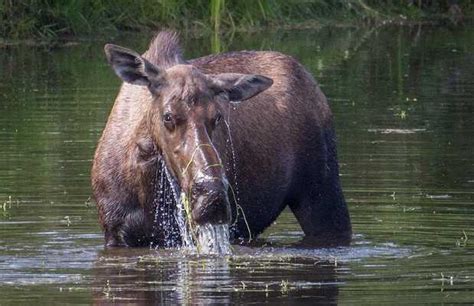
(65, 41)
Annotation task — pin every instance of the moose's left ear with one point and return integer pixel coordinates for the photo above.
(241, 87)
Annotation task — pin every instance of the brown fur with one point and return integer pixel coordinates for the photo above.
(283, 140)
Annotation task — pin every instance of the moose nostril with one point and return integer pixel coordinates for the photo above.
(210, 189)
(204, 193)
(210, 203)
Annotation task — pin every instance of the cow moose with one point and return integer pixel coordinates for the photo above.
(253, 120)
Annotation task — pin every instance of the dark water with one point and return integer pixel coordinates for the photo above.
(404, 109)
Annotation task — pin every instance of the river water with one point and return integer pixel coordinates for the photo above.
(403, 101)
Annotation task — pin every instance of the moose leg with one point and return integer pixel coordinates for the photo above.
(320, 207)
(132, 230)
(323, 216)
(111, 219)
(113, 238)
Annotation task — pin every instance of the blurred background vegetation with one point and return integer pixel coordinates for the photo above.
(51, 19)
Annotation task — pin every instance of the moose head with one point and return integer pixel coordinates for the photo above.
(185, 107)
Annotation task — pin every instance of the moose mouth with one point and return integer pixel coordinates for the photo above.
(205, 228)
(211, 203)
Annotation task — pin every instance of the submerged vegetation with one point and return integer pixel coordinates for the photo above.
(50, 19)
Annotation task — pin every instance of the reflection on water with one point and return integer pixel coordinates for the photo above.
(201, 280)
(402, 100)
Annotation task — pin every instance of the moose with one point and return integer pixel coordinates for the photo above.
(255, 122)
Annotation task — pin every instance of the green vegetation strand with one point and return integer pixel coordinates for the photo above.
(47, 19)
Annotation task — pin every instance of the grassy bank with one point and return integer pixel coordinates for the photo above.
(49, 19)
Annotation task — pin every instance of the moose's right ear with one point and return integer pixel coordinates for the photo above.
(132, 68)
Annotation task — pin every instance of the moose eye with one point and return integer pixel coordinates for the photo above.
(167, 118)
(168, 121)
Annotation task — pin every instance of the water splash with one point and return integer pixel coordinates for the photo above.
(233, 167)
(166, 229)
(169, 220)
(169, 201)
(213, 239)
(179, 213)
(173, 223)
(184, 225)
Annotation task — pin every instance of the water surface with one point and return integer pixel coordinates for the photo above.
(403, 105)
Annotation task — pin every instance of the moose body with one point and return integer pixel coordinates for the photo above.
(252, 120)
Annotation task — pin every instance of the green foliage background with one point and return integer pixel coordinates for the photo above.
(58, 18)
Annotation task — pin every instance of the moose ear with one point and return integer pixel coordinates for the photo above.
(241, 87)
(132, 68)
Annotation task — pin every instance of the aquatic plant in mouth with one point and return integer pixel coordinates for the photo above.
(185, 208)
(210, 238)
(207, 238)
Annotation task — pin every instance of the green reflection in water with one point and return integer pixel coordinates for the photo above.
(402, 101)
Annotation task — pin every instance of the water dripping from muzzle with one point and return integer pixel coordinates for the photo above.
(169, 222)
(173, 220)
(214, 239)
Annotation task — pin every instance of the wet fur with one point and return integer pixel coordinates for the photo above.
(284, 144)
